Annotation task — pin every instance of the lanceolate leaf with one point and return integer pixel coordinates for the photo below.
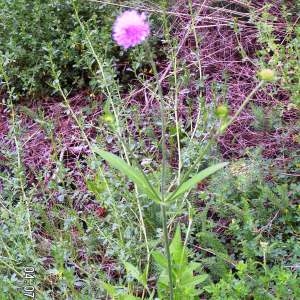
(187, 185)
(177, 249)
(135, 273)
(132, 173)
(132, 270)
(160, 259)
(111, 290)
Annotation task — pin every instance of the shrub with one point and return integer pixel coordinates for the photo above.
(28, 27)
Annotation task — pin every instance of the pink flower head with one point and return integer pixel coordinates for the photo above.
(130, 29)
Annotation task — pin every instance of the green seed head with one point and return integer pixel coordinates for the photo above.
(222, 111)
(108, 118)
(267, 75)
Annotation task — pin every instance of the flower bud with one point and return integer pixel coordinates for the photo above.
(108, 118)
(267, 75)
(222, 111)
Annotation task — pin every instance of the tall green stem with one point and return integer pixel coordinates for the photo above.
(167, 248)
(163, 171)
(15, 127)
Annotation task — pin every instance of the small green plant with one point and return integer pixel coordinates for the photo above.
(141, 181)
(261, 216)
(186, 283)
(266, 119)
(274, 283)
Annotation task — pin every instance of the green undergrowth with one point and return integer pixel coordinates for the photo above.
(95, 225)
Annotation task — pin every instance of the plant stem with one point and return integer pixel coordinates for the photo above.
(163, 172)
(167, 248)
(15, 127)
(197, 46)
(243, 105)
(176, 116)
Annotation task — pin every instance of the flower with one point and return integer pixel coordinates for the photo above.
(130, 29)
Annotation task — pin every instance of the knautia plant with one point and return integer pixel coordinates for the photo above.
(129, 30)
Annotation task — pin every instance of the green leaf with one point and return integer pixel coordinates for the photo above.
(129, 297)
(160, 259)
(132, 173)
(193, 266)
(197, 280)
(187, 185)
(143, 278)
(132, 270)
(96, 185)
(210, 240)
(176, 248)
(111, 290)
(135, 273)
(196, 293)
